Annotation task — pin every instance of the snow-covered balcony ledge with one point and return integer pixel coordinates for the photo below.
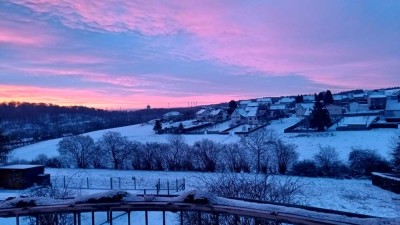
(190, 201)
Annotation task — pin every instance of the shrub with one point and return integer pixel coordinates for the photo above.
(364, 161)
(306, 168)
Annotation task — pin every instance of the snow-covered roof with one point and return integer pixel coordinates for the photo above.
(264, 99)
(305, 105)
(17, 166)
(215, 112)
(392, 105)
(361, 95)
(277, 107)
(392, 92)
(253, 104)
(377, 96)
(201, 111)
(244, 102)
(339, 97)
(286, 100)
(172, 113)
(241, 112)
(253, 111)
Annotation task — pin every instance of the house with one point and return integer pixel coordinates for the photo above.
(239, 116)
(23, 176)
(357, 107)
(252, 116)
(334, 110)
(376, 101)
(290, 102)
(361, 97)
(217, 115)
(243, 104)
(392, 109)
(202, 114)
(265, 101)
(278, 110)
(173, 115)
(304, 109)
(308, 98)
(340, 98)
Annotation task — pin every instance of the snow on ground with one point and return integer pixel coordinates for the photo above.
(358, 196)
(308, 143)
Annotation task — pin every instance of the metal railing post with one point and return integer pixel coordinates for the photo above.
(146, 217)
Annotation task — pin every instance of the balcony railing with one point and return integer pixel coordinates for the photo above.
(197, 206)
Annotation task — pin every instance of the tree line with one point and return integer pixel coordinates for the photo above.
(262, 151)
(25, 123)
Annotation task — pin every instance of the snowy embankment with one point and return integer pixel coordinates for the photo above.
(308, 143)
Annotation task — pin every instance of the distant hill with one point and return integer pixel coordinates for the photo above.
(24, 123)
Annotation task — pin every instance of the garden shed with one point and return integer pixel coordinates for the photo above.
(23, 176)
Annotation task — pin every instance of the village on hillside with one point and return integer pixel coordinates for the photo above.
(348, 112)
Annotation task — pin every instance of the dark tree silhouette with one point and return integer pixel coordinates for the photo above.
(319, 117)
(157, 126)
(3, 148)
(232, 106)
(328, 98)
(299, 99)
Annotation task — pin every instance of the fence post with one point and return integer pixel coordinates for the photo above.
(168, 187)
(64, 181)
(184, 184)
(111, 183)
(177, 185)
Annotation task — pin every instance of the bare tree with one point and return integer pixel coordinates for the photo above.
(396, 154)
(77, 150)
(207, 154)
(285, 155)
(114, 146)
(282, 189)
(177, 151)
(151, 156)
(327, 158)
(260, 142)
(235, 158)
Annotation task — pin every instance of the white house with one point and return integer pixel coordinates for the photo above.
(357, 107)
(289, 102)
(278, 110)
(334, 110)
(304, 109)
(217, 115)
(392, 109)
(239, 116)
(202, 114)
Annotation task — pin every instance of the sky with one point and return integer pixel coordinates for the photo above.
(130, 54)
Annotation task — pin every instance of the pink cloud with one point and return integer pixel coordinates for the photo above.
(322, 42)
(22, 37)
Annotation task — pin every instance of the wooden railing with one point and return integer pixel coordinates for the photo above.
(199, 203)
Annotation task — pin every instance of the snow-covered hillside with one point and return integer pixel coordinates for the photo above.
(308, 143)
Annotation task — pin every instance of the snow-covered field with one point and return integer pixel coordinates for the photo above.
(308, 143)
